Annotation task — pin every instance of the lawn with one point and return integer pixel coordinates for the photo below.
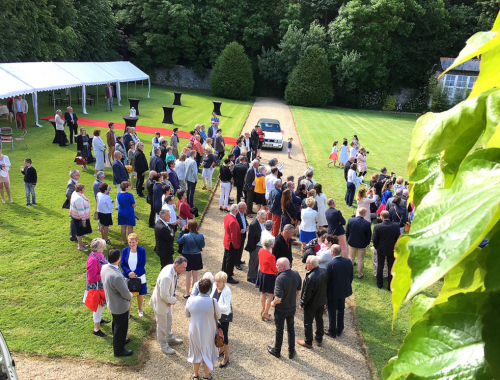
(42, 274)
(387, 137)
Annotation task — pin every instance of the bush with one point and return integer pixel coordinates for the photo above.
(390, 103)
(310, 83)
(232, 75)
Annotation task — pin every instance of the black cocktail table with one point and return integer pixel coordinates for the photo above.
(217, 107)
(130, 121)
(177, 100)
(134, 102)
(167, 115)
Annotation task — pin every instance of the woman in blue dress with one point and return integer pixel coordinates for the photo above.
(344, 154)
(126, 212)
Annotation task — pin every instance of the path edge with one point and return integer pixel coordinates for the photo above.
(350, 301)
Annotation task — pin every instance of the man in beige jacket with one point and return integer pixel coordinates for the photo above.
(161, 301)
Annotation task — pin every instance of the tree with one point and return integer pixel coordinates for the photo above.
(454, 170)
(310, 83)
(232, 75)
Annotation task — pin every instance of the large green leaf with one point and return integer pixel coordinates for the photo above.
(492, 278)
(421, 304)
(467, 276)
(401, 280)
(450, 223)
(445, 343)
(426, 177)
(452, 135)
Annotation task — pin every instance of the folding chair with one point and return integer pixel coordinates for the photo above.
(22, 138)
(6, 137)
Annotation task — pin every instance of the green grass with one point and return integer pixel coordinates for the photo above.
(387, 137)
(42, 274)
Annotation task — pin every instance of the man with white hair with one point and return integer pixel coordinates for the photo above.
(99, 178)
(286, 291)
(249, 186)
(232, 242)
(71, 122)
(254, 244)
(399, 193)
(196, 286)
(312, 301)
(340, 275)
(275, 206)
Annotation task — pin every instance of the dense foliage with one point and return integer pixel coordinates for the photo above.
(390, 103)
(310, 83)
(374, 47)
(232, 75)
(454, 170)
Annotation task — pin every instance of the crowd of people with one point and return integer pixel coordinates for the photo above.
(271, 213)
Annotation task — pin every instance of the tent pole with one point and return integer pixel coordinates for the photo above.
(142, 87)
(135, 88)
(127, 90)
(97, 96)
(54, 101)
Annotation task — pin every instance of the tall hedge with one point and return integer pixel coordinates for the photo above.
(310, 83)
(232, 75)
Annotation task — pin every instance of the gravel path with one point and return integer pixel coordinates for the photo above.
(340, 358)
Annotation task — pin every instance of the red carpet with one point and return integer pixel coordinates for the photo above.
(140, 128)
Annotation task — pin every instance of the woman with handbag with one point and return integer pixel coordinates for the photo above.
(133, 264)
(79, 211)
(192, 245)
(266, 277)
(94, 265)
(289, 209)
(184, 209)
(203, 312)
(223, 295)
(84, 147)
(126, 211)
(105, 210)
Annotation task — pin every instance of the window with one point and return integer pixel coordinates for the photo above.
(449, 80)
(461, 81)
(471, 82)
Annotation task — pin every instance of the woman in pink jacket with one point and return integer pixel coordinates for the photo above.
(94, 264)
(361, 160)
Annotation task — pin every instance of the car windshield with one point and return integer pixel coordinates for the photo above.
(270, 127)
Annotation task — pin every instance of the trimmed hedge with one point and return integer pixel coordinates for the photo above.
(310, 83)
(232, 75)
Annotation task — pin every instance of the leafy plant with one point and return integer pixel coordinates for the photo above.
(454, 170)
(232, 75)
(310, 83)
(390, 103)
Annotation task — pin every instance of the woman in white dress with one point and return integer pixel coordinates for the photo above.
(321, 201)
(223, 295)
(203, 310)
(99, 151)
(4, 176)
(344, 154)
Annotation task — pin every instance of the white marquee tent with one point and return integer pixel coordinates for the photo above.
(32, 77)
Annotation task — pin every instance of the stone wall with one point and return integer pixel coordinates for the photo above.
(183, 77)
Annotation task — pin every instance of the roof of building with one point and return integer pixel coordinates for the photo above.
(471, 65)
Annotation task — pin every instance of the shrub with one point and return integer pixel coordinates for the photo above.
(390, 103)
(232, 75)
(310, 83)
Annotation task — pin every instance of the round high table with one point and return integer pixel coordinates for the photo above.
(217, 107)
(130, 121)
(134, 102)
(177, 100)
(167, 115)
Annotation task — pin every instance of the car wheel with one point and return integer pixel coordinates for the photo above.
(282, 147)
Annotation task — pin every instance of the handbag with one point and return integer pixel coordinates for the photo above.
(406, 226)
(96, 215)
(94, 298)
(81, 161)
(194, 211)
(381, 208)
(129, 168)
(219, 338)
(226, 317)
(134, 284)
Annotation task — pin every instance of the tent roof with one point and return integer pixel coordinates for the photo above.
(42, 76)
(87, 72)
(11, 86)
(123, 71)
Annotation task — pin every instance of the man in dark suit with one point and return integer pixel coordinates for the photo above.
(254, 140)
(254, 245)
(358, 234)
(237, 150)
(141, 167)
(120, 174)
(340, 275)
(149, 199)
(231, 242)
(71, 121)
(156, 163)
(312, 301)
(241, 217)
(239, 173)
(385, 236)
(283, 243)
(164, 236)
(118, 299)
(249, 186)
(70, 188)
(336, 223)
(127, 138)
(348, 166)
